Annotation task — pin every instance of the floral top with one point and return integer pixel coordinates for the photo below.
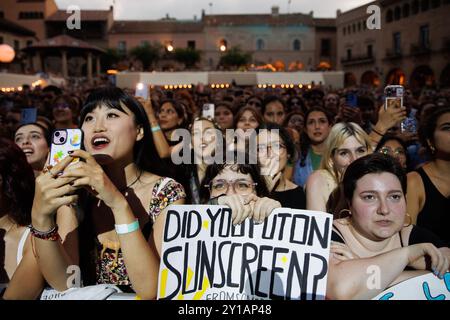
(110, 266)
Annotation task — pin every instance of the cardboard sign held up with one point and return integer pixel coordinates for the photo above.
(205, 257)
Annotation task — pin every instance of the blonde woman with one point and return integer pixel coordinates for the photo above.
(345, 143)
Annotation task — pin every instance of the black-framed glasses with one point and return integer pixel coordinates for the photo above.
(264, 147)
(241, 186)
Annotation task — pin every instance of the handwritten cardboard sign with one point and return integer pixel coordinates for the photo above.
(205, 257)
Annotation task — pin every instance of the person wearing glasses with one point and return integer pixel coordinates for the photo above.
(65, 112)
(395, 147)
(239, 186)
(345, 143)
(275, 150)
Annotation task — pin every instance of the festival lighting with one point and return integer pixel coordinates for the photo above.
(7, 53)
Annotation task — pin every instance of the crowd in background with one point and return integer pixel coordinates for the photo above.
(383, 173)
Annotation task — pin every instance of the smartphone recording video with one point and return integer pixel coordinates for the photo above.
(64, 140)
(393, 96)
(208, 111)
(142, 90)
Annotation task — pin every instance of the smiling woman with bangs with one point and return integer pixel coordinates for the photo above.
(124, 197)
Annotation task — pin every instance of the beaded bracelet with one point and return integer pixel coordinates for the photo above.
(51, 235)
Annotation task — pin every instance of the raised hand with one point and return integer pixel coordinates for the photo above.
(91, 175)
(52, 191)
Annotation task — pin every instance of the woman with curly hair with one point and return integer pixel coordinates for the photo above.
(18, 269)
(428, 196)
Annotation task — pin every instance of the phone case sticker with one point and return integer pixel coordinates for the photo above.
(62, 142)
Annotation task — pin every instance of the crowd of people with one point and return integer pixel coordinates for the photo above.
(383, 173)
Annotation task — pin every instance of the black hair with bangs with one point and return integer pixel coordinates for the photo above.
(145, 154)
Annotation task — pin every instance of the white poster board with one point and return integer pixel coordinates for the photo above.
(425, 287)
(205, 257)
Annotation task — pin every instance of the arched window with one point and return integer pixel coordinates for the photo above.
(405, 12)
(415, 7)
(296, 45)
(389, 16)
(397, 13)
(435, 4)
(425, 5)
(260, 45)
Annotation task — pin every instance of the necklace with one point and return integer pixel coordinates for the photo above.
(122, 190)
(129, 186)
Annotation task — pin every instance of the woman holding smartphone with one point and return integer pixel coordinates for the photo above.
(124, 198)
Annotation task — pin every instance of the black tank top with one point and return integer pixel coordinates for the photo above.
(435, 215)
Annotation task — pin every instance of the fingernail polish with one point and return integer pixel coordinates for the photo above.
(71, 183)
(70, 151)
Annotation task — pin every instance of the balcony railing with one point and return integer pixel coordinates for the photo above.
(393, 54)
(420, 49)
(446, 45)
(362, 59)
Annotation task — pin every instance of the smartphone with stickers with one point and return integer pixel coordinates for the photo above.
(208, 111)
(63, 141)
(393, 96)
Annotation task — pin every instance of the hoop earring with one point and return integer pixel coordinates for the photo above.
(410, 220)
(344, 210)
(432, 148)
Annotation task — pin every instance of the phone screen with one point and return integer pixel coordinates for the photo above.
(208, 111)
(28, 115)
(141, 90)
(393, 96)
(64, 140)
(352, 100)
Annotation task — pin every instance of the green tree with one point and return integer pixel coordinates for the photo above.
(190, 57)
(235, 58)
(147, 54)
(110, 58)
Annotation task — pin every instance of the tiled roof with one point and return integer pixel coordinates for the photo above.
(9, 26)
(171, 26)
(86, 15)
(63, 41)
(258, 19)
(325, 22)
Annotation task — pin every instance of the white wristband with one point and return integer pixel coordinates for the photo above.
(127, 228)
